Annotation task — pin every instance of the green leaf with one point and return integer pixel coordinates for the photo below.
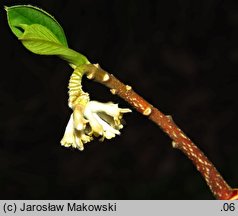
(27, 14)
(40, 40)
(41, 33)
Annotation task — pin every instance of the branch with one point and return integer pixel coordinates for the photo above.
(217, 185)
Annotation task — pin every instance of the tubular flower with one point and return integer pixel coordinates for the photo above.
(94, 119)
(89, 118)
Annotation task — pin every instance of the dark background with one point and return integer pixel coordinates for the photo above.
(182, 56)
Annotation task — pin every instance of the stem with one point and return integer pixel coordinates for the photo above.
(216, 183)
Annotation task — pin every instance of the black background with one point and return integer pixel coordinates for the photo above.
(182, 56)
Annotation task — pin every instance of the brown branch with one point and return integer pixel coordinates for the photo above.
(218, 186)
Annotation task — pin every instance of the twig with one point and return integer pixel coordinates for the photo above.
(218, 186)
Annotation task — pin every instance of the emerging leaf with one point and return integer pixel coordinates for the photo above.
(40, 40)
(27, 14)
(41, 33)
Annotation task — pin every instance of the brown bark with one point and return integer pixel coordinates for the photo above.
(216, 183)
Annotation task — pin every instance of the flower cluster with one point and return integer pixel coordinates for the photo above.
(93, 119)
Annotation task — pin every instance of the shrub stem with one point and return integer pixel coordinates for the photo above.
(216, 183)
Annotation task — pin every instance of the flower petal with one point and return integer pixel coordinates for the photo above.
(78, 117)
(68, 138)
(108, 131)
(95, 125)
(78, 142)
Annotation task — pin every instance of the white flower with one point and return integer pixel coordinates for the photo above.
(93, 119)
